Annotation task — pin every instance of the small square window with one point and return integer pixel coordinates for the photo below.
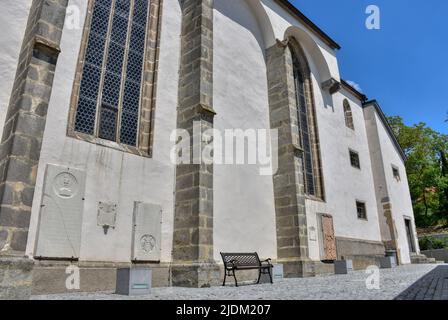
(396, 173)
(354, 159)
(361, 210)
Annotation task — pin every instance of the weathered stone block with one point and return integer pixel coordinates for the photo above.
(298, 269)
(181, 237)
(388, 262)
(19, 240)
(30, 124)
(195, 275)
(343, 266)
(3, 237)
(27, 196)
(19, 171)
(14, 217)
(15, 278)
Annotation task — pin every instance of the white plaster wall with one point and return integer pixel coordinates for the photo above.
(13, 22)
(343, 184)
(244, 214)
(399, 194)
(113, 175)
(243, 200)
(282, 20)
(346, 184)
(243, 205)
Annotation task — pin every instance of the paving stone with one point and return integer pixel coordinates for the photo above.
(396, 283)
(429, 287)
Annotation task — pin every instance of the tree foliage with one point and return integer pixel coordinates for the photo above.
(427, 170)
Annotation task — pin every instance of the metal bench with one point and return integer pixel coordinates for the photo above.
(245, 261)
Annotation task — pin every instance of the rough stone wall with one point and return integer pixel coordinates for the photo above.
(25, 121)
(22, 140)
(193, 218)
(15, 278)
(356, 247)
(292, 238)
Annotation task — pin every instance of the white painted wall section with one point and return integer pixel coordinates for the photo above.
(14, 17)
(244, 214)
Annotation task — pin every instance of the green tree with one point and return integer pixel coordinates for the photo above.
(427, 170)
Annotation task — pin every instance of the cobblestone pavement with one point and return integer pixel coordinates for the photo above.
(332, 287)
(433, 286)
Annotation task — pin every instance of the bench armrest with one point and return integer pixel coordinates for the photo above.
(268, 261)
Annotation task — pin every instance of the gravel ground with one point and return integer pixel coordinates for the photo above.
(333, 287)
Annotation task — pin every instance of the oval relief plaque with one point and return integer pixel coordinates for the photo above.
(65, 185)
(147, 243)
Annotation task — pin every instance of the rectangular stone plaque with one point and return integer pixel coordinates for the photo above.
(147, 230)
(60, 220)
(107, 214)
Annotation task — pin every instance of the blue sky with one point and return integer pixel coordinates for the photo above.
(404, 65)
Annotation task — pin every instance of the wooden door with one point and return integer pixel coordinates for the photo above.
(329, 240)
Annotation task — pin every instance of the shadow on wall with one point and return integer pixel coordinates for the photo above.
(264, 34)
(261, 30)
(317, 63)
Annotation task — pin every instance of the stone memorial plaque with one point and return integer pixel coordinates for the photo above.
(60, 220)
(107, 215)
(147, 232)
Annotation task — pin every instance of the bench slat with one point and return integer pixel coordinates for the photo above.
(241, 259)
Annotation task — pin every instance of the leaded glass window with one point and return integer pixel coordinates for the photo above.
(304, 129)
(348, 115)
(109, 99)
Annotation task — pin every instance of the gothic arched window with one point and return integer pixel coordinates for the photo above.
(348, 115)
(116, 71)
(307, 122)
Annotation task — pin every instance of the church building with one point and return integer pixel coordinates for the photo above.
(92, 94)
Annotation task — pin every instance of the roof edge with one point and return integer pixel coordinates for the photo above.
(383, 118)
(357, 93)
(297, 13)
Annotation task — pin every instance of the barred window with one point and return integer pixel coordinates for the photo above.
(348, 115)
(361, 210)
(111, 82)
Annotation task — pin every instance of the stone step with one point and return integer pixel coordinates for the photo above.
(422, 259)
